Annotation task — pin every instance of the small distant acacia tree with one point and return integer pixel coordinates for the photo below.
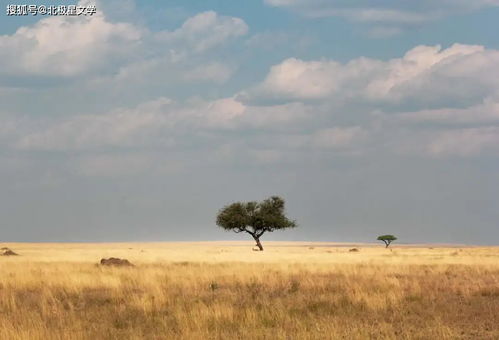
(388, 239)
(255, 218)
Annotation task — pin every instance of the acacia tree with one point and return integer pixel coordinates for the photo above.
(387, 239)
(255, 218)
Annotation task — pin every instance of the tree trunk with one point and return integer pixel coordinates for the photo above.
(387, 244)
(258, 244)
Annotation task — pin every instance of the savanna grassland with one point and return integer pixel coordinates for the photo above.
(228, 291)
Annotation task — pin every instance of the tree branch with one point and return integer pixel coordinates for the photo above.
(249, 232)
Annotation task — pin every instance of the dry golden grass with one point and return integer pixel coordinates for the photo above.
(227, 291)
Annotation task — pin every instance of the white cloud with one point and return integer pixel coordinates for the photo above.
(425, 75)
(63, 46)
(118, 128)
(158, 122)
(66, 46)
(299, 79)
(428, 65)
(205, 31)
(320, 105)
(180, 56)
(451, 93)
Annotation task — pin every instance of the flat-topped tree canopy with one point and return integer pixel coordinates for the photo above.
(255, 218)
(387, 239)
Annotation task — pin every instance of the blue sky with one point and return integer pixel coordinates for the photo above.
(140, 122)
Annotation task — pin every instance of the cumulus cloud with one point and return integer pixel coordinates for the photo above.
(433, 100)
(314, 106)
(179, 54)
(424, 76)
(62, 46)
(204, 31)
(66, 46)
(321, 105)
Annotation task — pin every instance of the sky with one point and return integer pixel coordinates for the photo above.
(140, 122)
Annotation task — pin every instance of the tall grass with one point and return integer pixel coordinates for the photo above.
(217, 291)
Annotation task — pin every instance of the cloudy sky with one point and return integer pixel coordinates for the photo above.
(140, 122)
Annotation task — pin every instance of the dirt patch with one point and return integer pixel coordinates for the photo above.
(113, 261)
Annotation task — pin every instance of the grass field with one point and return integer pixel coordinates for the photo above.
(227, 291)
